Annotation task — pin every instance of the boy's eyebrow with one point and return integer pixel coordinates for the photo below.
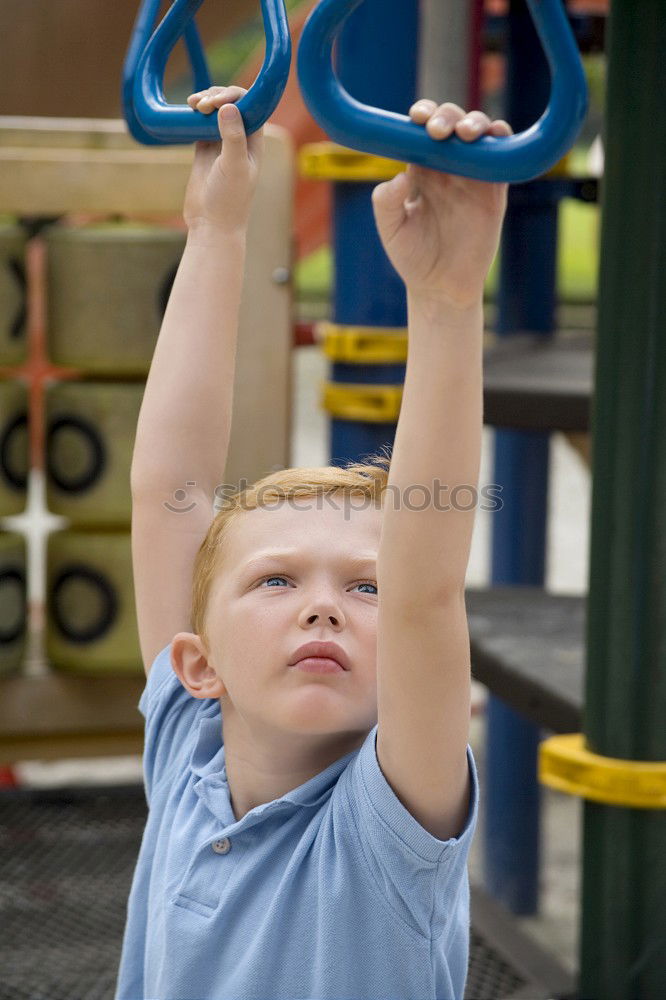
(356, 560)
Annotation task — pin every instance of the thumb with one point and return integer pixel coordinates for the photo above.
(232, 131)
(388, 199)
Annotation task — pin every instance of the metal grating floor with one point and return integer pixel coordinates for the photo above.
(67, 858)
(488, 975)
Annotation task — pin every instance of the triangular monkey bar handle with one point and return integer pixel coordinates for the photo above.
(491, 158)
(154, 122)
(143, 28)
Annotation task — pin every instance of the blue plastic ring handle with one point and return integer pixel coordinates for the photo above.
(513, 158)
(143, 28)
(159, 122)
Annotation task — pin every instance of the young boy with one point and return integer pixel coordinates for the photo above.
(312, 794)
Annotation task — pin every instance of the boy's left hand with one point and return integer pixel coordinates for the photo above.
(441, 231)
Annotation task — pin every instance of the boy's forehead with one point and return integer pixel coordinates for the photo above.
(307, 523)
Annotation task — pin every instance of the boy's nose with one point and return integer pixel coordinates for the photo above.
(324, 609)
(334, 620)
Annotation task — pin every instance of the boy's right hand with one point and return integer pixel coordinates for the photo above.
(224, 174)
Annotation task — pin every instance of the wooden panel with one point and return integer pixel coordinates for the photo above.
(59, 716)
(66, 58)
(67, 716)
(261, 418)
(65, 747)
(93, 166)
(74, 133)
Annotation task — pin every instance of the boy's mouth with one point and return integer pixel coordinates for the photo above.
(319, 665)
(330, 651)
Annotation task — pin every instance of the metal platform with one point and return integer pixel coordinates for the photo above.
(67, 857)
(536, 382)
(528, 647)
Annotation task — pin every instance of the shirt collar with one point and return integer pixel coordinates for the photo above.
(207, 763)
(208, 747)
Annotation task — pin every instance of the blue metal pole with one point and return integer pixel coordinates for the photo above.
(526, 301)
(378, 68)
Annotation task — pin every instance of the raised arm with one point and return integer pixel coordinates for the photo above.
(185, 419)
(441, 232)
(184, 424)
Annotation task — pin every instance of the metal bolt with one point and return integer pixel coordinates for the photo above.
(281, 275)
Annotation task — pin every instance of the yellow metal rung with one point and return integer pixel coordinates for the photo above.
(373, 403)
(328, 161)
(567, 765)
(362, 344)
(562, 168)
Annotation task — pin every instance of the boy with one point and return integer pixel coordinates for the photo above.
(312, 793)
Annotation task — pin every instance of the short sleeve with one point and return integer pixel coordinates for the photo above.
(420, 876)
(170, 712)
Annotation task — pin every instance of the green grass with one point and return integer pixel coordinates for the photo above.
(578, 254)
(578, 261)
(313, 275)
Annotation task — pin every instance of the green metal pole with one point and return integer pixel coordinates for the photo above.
(623, 927)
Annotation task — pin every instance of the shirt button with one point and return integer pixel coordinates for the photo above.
(222, 846)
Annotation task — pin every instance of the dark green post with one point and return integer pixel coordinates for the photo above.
(623, 931)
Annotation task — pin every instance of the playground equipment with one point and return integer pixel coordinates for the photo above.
(352, 123)
(623, 886)
(623, 904)
(143, 26)
(498, 158)
(150, 119)
(107, 284)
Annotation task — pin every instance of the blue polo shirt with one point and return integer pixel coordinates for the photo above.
(331, 892)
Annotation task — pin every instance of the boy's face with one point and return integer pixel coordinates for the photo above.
(262, 607)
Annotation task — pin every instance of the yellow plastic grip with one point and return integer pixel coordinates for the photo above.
(568, 766)
(329, 161)
(374, 403)
(362, 344)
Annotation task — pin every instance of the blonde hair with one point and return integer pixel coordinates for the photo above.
(368, 479)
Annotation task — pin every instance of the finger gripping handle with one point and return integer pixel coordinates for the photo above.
(152, 120)
(491, 158)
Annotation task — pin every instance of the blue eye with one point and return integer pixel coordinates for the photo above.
(267, 579)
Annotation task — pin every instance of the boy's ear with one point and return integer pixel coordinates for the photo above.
(189, 662)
